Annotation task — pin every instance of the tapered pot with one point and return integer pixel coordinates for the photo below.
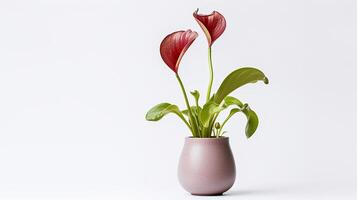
(206, 166)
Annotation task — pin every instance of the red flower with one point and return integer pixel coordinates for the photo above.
(213, 25)
(174, 46)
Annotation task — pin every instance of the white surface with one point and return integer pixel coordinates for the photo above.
(77, 77)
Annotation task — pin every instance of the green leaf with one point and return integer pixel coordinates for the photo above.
(229, 100)
(237, 79)
(185, 112)
(208, 111)
(252, 123)
(233, 111)
(160, 110)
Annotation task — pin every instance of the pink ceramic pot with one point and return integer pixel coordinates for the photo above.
(206, 166)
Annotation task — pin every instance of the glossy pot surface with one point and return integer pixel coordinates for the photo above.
(206, 166)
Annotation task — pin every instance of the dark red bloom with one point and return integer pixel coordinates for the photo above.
(174, 46)
(213, 25)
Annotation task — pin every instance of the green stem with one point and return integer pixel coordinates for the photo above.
(210, 75)
(212, 123)
(193, 121)
(184, 94)
(197, 103)
(184, 120)
(224, 123)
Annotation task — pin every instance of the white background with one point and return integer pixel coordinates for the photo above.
(77, 77)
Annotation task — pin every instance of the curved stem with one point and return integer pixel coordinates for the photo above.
(224, 123)
(193, 121)
(184, 120)
(197, 104)
(184, 94)
(212, 123)
(210, 75)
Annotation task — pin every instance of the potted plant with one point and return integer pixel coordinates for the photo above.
(206, 165)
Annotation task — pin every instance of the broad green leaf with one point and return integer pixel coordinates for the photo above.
(207, 112)
(229, 100)
(252, 123)
(160, 110)
(237, 79)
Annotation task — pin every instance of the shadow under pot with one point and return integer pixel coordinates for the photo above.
(206, 166)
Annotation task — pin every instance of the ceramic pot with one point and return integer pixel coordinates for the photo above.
(206, 166)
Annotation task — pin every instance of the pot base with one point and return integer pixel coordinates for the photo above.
(219, 194)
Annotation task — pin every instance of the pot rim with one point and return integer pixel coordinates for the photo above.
(212, 140)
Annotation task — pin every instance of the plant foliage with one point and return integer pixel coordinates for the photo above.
(202, 120)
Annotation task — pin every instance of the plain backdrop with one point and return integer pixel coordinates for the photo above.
(77, 77)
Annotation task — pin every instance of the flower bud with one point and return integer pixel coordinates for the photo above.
(217, 125)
